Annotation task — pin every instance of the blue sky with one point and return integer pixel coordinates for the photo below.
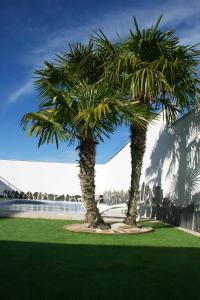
(32, 31)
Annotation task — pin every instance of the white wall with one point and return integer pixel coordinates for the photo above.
(117, 171)
(171, 161)
(55, 178)
(43, 177)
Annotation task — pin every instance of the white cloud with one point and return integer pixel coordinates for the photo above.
(175, 13)
(25, 89)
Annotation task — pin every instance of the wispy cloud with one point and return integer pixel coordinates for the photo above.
(183, 14)
(25, 89)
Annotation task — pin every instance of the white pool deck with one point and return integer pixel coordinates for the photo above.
(195, 233)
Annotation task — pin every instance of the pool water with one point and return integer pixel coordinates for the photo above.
(42, 206)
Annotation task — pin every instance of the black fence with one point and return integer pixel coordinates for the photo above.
(187, 217)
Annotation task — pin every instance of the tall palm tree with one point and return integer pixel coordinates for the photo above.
(157, 71)
(77, 105)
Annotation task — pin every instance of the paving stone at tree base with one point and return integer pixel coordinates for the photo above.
(116, 228)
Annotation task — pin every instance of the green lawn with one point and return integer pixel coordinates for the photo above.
(40, 260)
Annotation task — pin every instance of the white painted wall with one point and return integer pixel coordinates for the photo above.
(43, 177)
(46, 177)
(117, 171)
(171, 161)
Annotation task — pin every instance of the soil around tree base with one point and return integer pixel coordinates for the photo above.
(116, 228)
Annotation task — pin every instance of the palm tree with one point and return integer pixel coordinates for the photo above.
(77, 106)
(158, 72)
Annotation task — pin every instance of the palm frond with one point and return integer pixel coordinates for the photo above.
(155, 67)
(44, 124)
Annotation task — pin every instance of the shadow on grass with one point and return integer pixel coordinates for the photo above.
(155, 224)
(58, 271)
(160, 225)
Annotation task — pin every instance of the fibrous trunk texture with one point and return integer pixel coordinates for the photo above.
(138, 143)
(87, 154)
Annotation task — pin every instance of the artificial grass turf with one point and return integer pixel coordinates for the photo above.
(40, 260)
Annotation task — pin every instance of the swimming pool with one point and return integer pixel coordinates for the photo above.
(42, 206)
(68, 208)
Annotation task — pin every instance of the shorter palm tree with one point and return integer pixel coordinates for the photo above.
(86, 114)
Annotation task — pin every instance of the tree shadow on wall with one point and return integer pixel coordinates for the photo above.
(180, 146)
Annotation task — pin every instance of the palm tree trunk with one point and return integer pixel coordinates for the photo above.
(87, 154)
(138, 144)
